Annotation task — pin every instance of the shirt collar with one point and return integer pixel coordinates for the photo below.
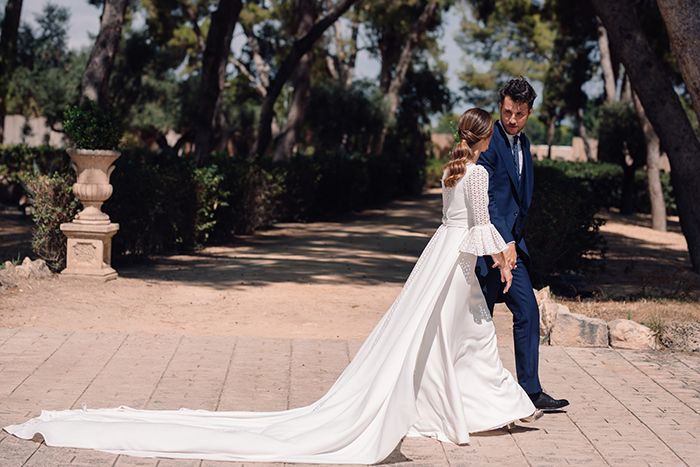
(509, 136)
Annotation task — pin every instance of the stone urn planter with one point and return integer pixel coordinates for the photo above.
(89, 250)
(93, 168)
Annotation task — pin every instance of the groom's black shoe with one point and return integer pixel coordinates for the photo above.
(547, 403)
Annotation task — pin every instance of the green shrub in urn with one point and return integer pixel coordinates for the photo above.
(90, 127)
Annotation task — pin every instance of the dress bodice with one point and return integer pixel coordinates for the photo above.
(466, 203)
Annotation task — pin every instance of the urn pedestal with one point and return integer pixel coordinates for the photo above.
(89, 251)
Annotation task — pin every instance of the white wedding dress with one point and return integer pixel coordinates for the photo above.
(429, 368)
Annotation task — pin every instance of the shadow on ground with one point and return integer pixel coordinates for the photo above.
(15, 235)
(376, 246)
(639, 269)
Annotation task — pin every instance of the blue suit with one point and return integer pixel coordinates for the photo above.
(510, 197)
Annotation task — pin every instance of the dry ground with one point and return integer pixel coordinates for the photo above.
(326, 280)
(646, 275)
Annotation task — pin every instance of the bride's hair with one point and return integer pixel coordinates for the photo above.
(474, 125)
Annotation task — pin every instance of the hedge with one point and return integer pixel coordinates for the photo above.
(165, 204)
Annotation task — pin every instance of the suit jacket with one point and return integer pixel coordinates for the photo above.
(509, 198)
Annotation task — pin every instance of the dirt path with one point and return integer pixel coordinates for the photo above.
(646, 275)
(326, 280)
(319, 280)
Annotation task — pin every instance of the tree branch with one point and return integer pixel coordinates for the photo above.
(299, 48)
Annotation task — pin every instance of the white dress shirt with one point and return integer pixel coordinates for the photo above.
(520, 149)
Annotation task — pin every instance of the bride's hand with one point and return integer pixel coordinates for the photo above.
(498, 260)
(506, 278)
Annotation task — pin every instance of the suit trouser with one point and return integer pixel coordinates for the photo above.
(521, 301)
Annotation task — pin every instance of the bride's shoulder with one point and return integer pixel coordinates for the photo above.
(476, 170)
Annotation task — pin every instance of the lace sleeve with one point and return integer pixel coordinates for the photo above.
(482, 238)
(477, 188)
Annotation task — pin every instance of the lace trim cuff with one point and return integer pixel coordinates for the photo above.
(482, 240)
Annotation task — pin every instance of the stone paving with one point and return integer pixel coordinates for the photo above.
(628, 408)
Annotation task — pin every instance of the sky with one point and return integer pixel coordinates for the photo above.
(85, 21)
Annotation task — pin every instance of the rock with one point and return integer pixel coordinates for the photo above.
(12, 275)
(682, 335)
(627, 334)
(575, 330)
(548, 315)
(24, 269)
(542, 295)
(39, 269)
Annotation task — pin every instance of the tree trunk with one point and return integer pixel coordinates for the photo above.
(302, 83)
(682, 20)
(629, 192)
(656, 193)
(94, 84)
(262, 68)
(214, 61)
(584, 135)
(626, 95)
(652, 81)
(289, 64)
(342, 66)
(551, 129)
(297, 110)
(8, 55)
(348, 66)
(606, 63)
(391, 98)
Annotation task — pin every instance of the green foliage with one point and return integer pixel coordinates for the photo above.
(507, 39)
(328, 184)
(16, 261)
(147, 93)
(20, 161)
(210, 198)
(536, 131)
(434, 169)
(90, 127)
(165, 204)
(251, 195)
(48, 73)
(447, 123)
(619, 132)
(562, 227)
(53, 204)
(621, 140)
(154, 201)
(604, 179)
(570, 64)
(343, 119)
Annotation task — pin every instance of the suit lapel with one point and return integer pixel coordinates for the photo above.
(506, 155)
(527, 175)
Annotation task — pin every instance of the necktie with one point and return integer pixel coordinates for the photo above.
(515, 155)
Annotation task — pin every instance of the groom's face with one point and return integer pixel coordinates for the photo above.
(514, 115)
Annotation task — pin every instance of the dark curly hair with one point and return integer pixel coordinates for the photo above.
(519, 90)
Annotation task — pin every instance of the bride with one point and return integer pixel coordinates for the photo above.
(429, 368)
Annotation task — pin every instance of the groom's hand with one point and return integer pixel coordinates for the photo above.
(511, 256)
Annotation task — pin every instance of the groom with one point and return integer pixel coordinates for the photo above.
(509, 164)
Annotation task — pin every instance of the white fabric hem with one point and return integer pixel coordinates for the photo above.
(482, 240)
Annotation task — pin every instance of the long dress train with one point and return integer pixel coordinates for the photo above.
(429, 368)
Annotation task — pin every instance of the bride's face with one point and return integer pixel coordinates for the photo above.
(481, 146)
